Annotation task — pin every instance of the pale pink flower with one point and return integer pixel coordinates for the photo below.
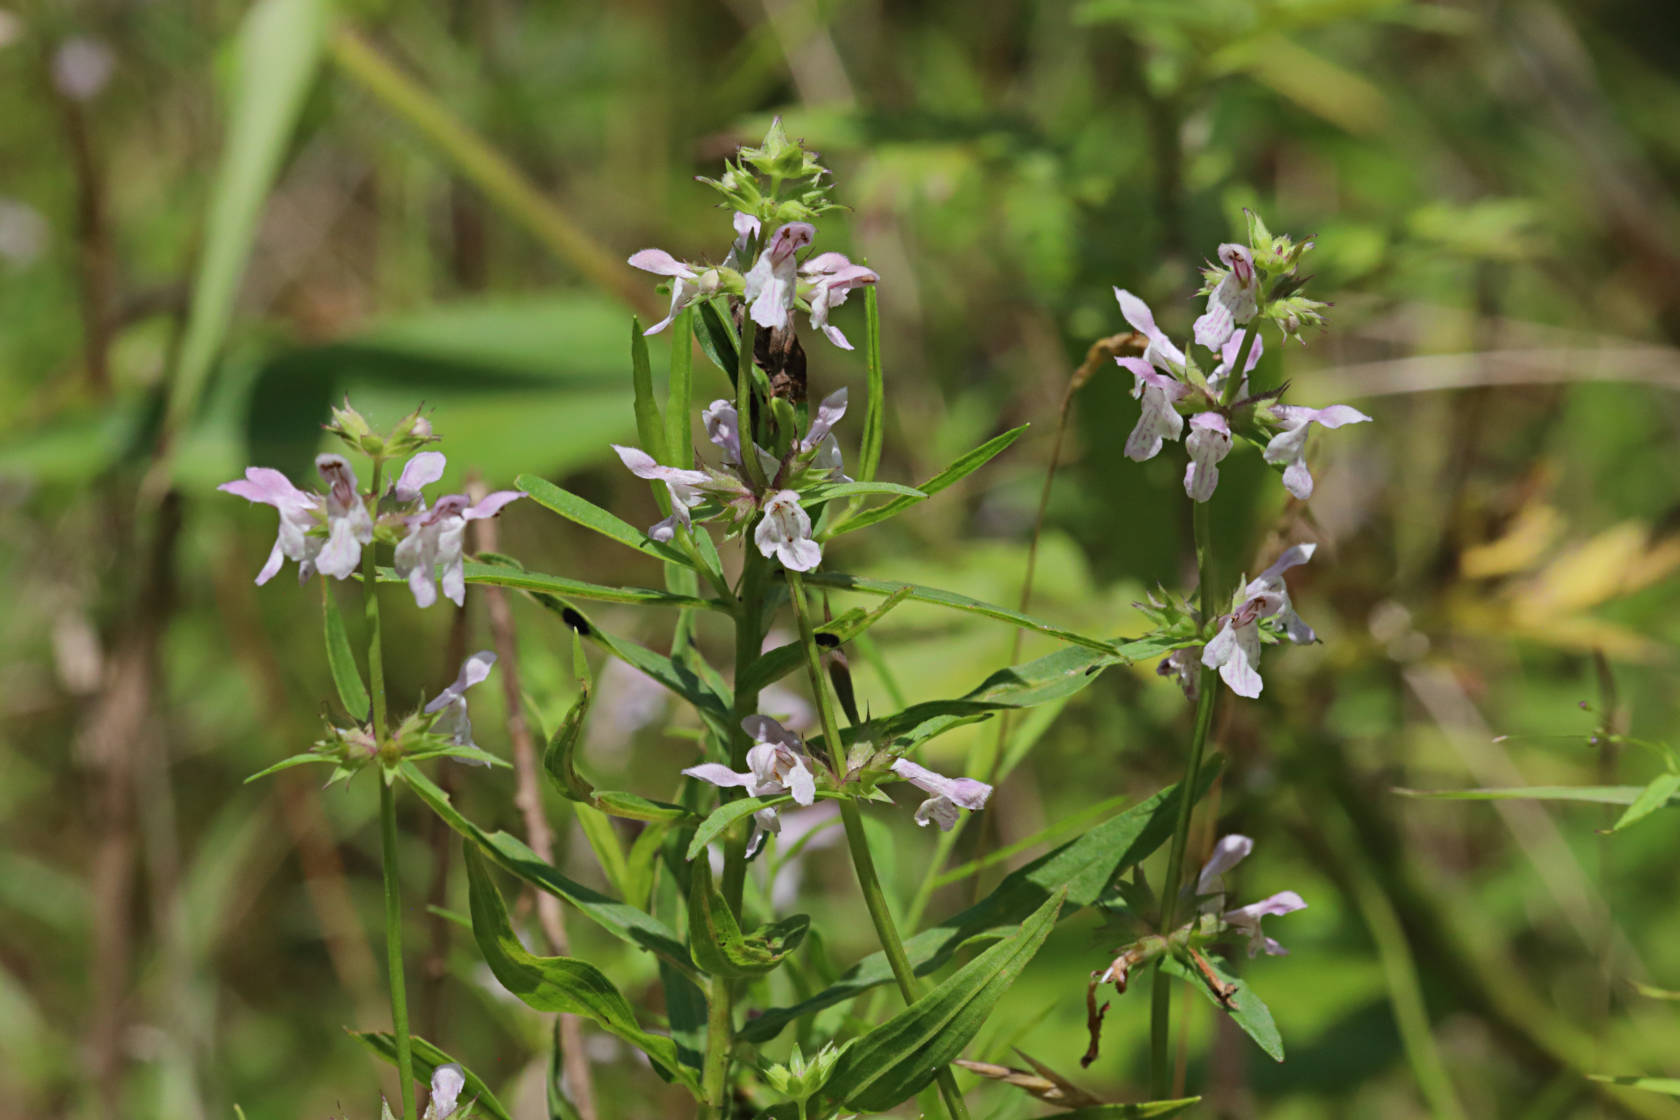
(685, 282)
(947, 795)
(349, 526)
(436, 538)
(450, 705)
(1209, 442)
(772, 281)
(299, 513)
(1159, 419)
(1290, 445)
(785, 533)
(832, 277)
(1233, 300)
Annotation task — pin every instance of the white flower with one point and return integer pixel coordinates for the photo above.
(723, 428)
(684, 487)
(832, 277)
(1209, 441)
(1290, 445)
(773, 279)
(1233, 300)
(447, 1083)
(299, 512)
(1235, 649)
(819, 441)
(1246, 920)
(1230, 851)
(1160, 353)
(349, 526)
(685, 282)
(437, 537)
(947, 794)
(776, 764)
(1159, 420)
(418, 473)
(453, 722)
(785, 533)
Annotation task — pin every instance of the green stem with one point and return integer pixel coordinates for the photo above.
(388, 828)
(857, 843)
(393, 946)
(1160, 1002)
(749, 640)
(1233, 378)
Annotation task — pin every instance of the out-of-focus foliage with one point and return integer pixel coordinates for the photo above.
(1491, 185)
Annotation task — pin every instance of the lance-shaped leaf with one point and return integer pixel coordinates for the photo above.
(558, 762)
(512, 855)
(558, 984)
(426, 1059)
(1245, 1008)
(1085, 867)
(841, 581)
(1595, 795)
(1653, 797)
(650, 432)
(1055, 676)
(502, 575)
(591, 516)
(341, 659)
(875, 408)
(717, 341)
(962, 468)
(715, 936)
(895, 1060)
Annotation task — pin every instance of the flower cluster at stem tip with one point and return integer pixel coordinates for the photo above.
(1250, 284)
(326, 533)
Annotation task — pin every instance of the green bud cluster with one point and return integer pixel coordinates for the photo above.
(410, 434)
(777, 182)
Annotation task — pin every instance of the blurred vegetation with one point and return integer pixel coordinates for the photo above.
(205, 239)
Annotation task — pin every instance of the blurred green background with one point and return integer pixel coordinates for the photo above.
(215, 220)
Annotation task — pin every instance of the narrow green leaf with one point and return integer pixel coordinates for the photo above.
(1084, 866)
(1654, 796)
(716, 339)
(1597, 795)
(723, 816)
(558, 984)
(1246, 1009)
(1668, 1085)
(844, 582)
(1147, 1110)
(342, 660)
(650, 430)
(288, 763)
(275, 58)
(498, 575)
(679, 393)
(427, 1058)
(784, 659)
(895, 1060)
(676, 675)
(1075, 823)
(962, 468)
(563, 744)
(592, 516)
(1049, 679)
(875, 410)
(627, 923)
(715, 936)
(604, 842)
(828, 491)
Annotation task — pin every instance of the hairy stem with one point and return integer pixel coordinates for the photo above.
(1160, 1004)
(857, 843)
(388, 830)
